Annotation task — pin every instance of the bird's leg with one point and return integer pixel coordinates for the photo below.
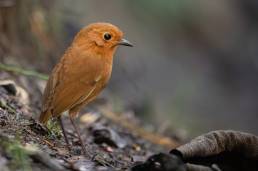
(79, 136)
(64, 133)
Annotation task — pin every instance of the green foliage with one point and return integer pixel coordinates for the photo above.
(4, 105)
(54, 128)
(19, 157)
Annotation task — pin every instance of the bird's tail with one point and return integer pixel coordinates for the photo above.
(44, 116)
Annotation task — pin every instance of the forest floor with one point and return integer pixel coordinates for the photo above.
(113, 143)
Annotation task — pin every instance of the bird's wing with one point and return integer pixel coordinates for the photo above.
(71, 94)
(72, 82)
(50, 88)
(55, 80)
(80, 76)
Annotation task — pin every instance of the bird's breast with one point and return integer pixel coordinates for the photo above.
(104, 75)
(96, 73)
(101, 78)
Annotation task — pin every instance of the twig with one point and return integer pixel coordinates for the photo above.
(22, 71)
(45, 159)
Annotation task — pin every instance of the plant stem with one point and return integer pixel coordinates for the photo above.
(26, 72)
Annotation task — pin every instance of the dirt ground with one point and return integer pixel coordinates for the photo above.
(27, 145)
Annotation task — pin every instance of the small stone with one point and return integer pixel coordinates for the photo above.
(108, 136)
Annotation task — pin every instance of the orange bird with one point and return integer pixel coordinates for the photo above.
(82, 73)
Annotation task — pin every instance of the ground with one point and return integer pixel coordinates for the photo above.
(113, 143)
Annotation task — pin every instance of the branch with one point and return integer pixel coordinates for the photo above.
(26, 72)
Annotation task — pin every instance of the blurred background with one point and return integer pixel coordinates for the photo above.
(194, 65)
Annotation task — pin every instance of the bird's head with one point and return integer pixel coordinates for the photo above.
(101, 37)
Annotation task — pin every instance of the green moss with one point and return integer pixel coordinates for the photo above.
(4, 105)
(55, 130)
(18, 155)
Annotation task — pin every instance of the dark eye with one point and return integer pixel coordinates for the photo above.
(107, 36)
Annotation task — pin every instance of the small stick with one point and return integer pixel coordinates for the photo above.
(18, 70)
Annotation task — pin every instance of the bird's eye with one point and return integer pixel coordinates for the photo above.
(107, 36)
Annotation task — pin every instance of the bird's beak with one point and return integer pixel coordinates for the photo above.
(125, 42)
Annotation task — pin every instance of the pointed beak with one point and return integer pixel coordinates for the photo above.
(125, 42)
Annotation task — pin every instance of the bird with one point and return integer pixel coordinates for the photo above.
(81, 74)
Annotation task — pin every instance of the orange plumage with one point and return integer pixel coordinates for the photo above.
(83, 71)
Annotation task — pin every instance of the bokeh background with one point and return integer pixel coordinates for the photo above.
(194, 66)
